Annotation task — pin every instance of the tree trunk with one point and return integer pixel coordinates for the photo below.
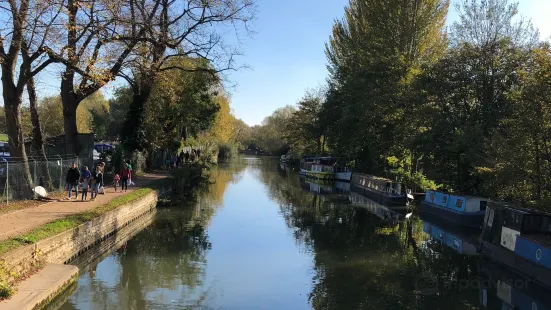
(38, 140)
(20, 180)
(133, 133)
(70, 127)
(70, 102)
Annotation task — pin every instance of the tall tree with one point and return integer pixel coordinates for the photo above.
(374, 53)
(520, 147)
(29, 24)
(483, 22)
(306, 129)
(190, 28)
(101, 34)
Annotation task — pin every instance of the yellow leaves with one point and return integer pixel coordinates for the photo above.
(224, 125)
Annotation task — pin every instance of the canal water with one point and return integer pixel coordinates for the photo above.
(261, 237)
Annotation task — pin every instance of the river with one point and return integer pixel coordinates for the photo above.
(261, 237)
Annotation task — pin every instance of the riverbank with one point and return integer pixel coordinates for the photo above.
(53, 233)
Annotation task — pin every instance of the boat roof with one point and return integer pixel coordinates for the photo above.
(377, 178)
(460, 195)
(518, 208)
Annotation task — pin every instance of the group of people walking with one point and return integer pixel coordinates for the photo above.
(94, 181)
(184, 157)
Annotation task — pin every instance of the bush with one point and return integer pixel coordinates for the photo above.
(138, 161)
(227, 151)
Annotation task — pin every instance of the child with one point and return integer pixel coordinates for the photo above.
(86, 176)
(116, 180)
(85, 189)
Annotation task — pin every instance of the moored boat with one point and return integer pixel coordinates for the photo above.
(380, 190)
(459, 210)
(325, 168)
(321, 169)
(519, 239)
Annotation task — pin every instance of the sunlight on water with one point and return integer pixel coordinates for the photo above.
(261, 237)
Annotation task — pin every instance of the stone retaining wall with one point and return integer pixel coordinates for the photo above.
(69, 244)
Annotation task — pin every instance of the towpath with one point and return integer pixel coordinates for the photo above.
(21, 221)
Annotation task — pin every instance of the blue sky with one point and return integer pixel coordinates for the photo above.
(287, 55)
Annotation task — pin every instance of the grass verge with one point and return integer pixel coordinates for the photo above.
(72, 221)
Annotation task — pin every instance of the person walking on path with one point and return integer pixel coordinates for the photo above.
(126, 174)
(97, 182)
(116, 180)
(86, 177)
(186, 156)
(129, 168)
(73, 175)
(101, 189)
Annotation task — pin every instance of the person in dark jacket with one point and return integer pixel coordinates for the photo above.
(97, 182)
(73, 175)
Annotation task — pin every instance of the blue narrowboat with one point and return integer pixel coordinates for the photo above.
(520, 239)
(459, 210)
(503, 289)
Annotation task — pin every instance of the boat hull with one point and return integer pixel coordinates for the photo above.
(381, 198)
(343, 176)
(520, 265)
(473, 220)
(320, 175)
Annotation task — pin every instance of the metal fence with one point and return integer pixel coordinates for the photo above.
(162, 158)
(49, 174)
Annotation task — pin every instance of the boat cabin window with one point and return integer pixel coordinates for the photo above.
(483, 205)
(536, 224)
(512, 219)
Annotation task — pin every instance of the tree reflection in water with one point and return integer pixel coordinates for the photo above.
(363, 261)
(162, 266)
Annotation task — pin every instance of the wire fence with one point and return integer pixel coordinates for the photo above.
(49, 174)
(163, 158)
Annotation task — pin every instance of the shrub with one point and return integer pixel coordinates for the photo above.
(227, 151)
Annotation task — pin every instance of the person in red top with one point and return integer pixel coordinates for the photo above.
(125, 175)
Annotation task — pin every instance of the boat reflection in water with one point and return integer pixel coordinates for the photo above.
(390, 215)
(326, 187)
(504, 289)
(463, 241)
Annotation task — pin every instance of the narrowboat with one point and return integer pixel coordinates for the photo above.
(462, 240)
(460, 210)
(380, 190)
(311, 166)
(520, 239)
(503, 289)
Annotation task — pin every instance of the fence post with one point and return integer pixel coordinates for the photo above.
(7, 183)
(35, 175)
(60, 170)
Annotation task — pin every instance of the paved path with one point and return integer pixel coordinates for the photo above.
(39, 287)
(22, 221)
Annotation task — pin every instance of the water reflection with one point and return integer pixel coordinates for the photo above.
(261, 237)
